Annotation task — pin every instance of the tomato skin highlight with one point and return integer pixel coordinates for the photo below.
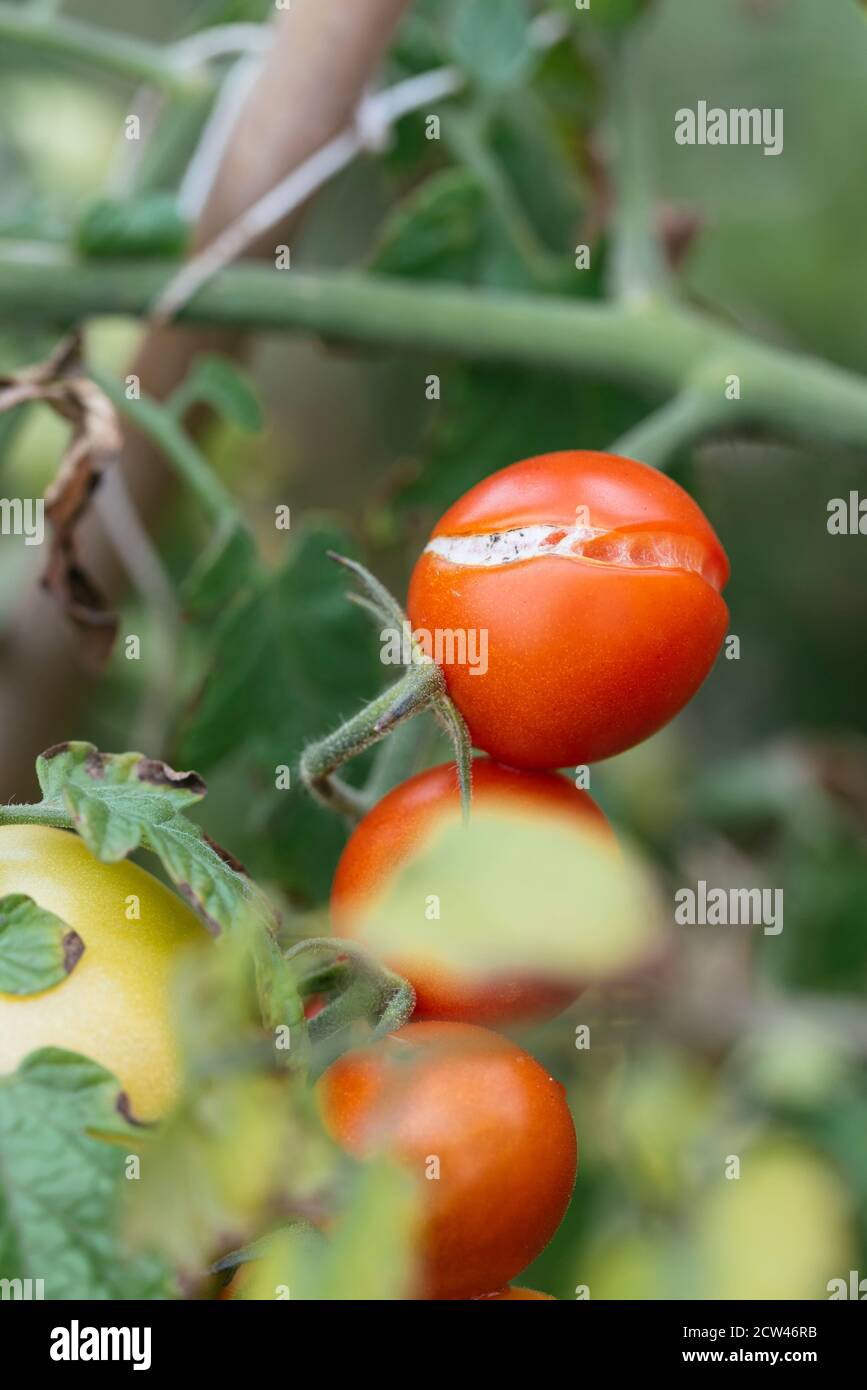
(499, 1126)
(115, 1006)
(397, 827)
(586, 657)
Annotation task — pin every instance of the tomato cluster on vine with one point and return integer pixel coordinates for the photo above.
(597, 583)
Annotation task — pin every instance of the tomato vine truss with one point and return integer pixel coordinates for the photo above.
(642, 335)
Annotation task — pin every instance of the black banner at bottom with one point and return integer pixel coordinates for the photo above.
(222, 1337)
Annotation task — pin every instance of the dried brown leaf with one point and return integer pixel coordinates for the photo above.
(60, 382)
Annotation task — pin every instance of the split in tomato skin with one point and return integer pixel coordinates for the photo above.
(597, 580)
(498, 1126)
(398, 826)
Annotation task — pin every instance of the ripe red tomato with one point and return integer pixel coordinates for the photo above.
(597, 580)
(485, 1128)
(398, 826)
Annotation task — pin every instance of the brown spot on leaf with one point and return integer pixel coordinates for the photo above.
(55, 750)
(159, 774)
(226, 857)
(73, 950)
(198, 906)
(94, 764)
(123, 1105)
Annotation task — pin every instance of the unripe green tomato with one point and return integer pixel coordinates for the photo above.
(114, 1007)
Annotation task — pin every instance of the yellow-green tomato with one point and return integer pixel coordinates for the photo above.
(114, 1007)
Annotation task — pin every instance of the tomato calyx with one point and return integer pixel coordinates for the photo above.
(347, 985)
(421, 688)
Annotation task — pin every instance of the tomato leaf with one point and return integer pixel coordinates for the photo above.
(437, 231)
(223, 570)
(37, 949)
(119, 802)
(489, 416)
(369, 1256)
(229, 1154)
(60, 1181)
(142, 227)
(491, 40)
(216, 382)
(241, 1142)
(290, 657)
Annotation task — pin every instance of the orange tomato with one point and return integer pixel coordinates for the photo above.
(488, 1133)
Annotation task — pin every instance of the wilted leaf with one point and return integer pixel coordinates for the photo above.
(61, 383)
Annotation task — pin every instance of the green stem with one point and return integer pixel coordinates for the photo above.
(375, 992)
(637, 265)
(14, 814)
(660, 346)
(160, 425)
(69, 39)
(418, 689)
(682, 419)
(396, 759)
(453, 722)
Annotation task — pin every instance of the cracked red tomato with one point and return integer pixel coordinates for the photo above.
(595, 583)
(399, 826)
(487, 1132)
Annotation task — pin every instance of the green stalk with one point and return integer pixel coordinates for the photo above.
(74, 41)
(684, 418)
(662, 347)
(418, 689)
(24, 814)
